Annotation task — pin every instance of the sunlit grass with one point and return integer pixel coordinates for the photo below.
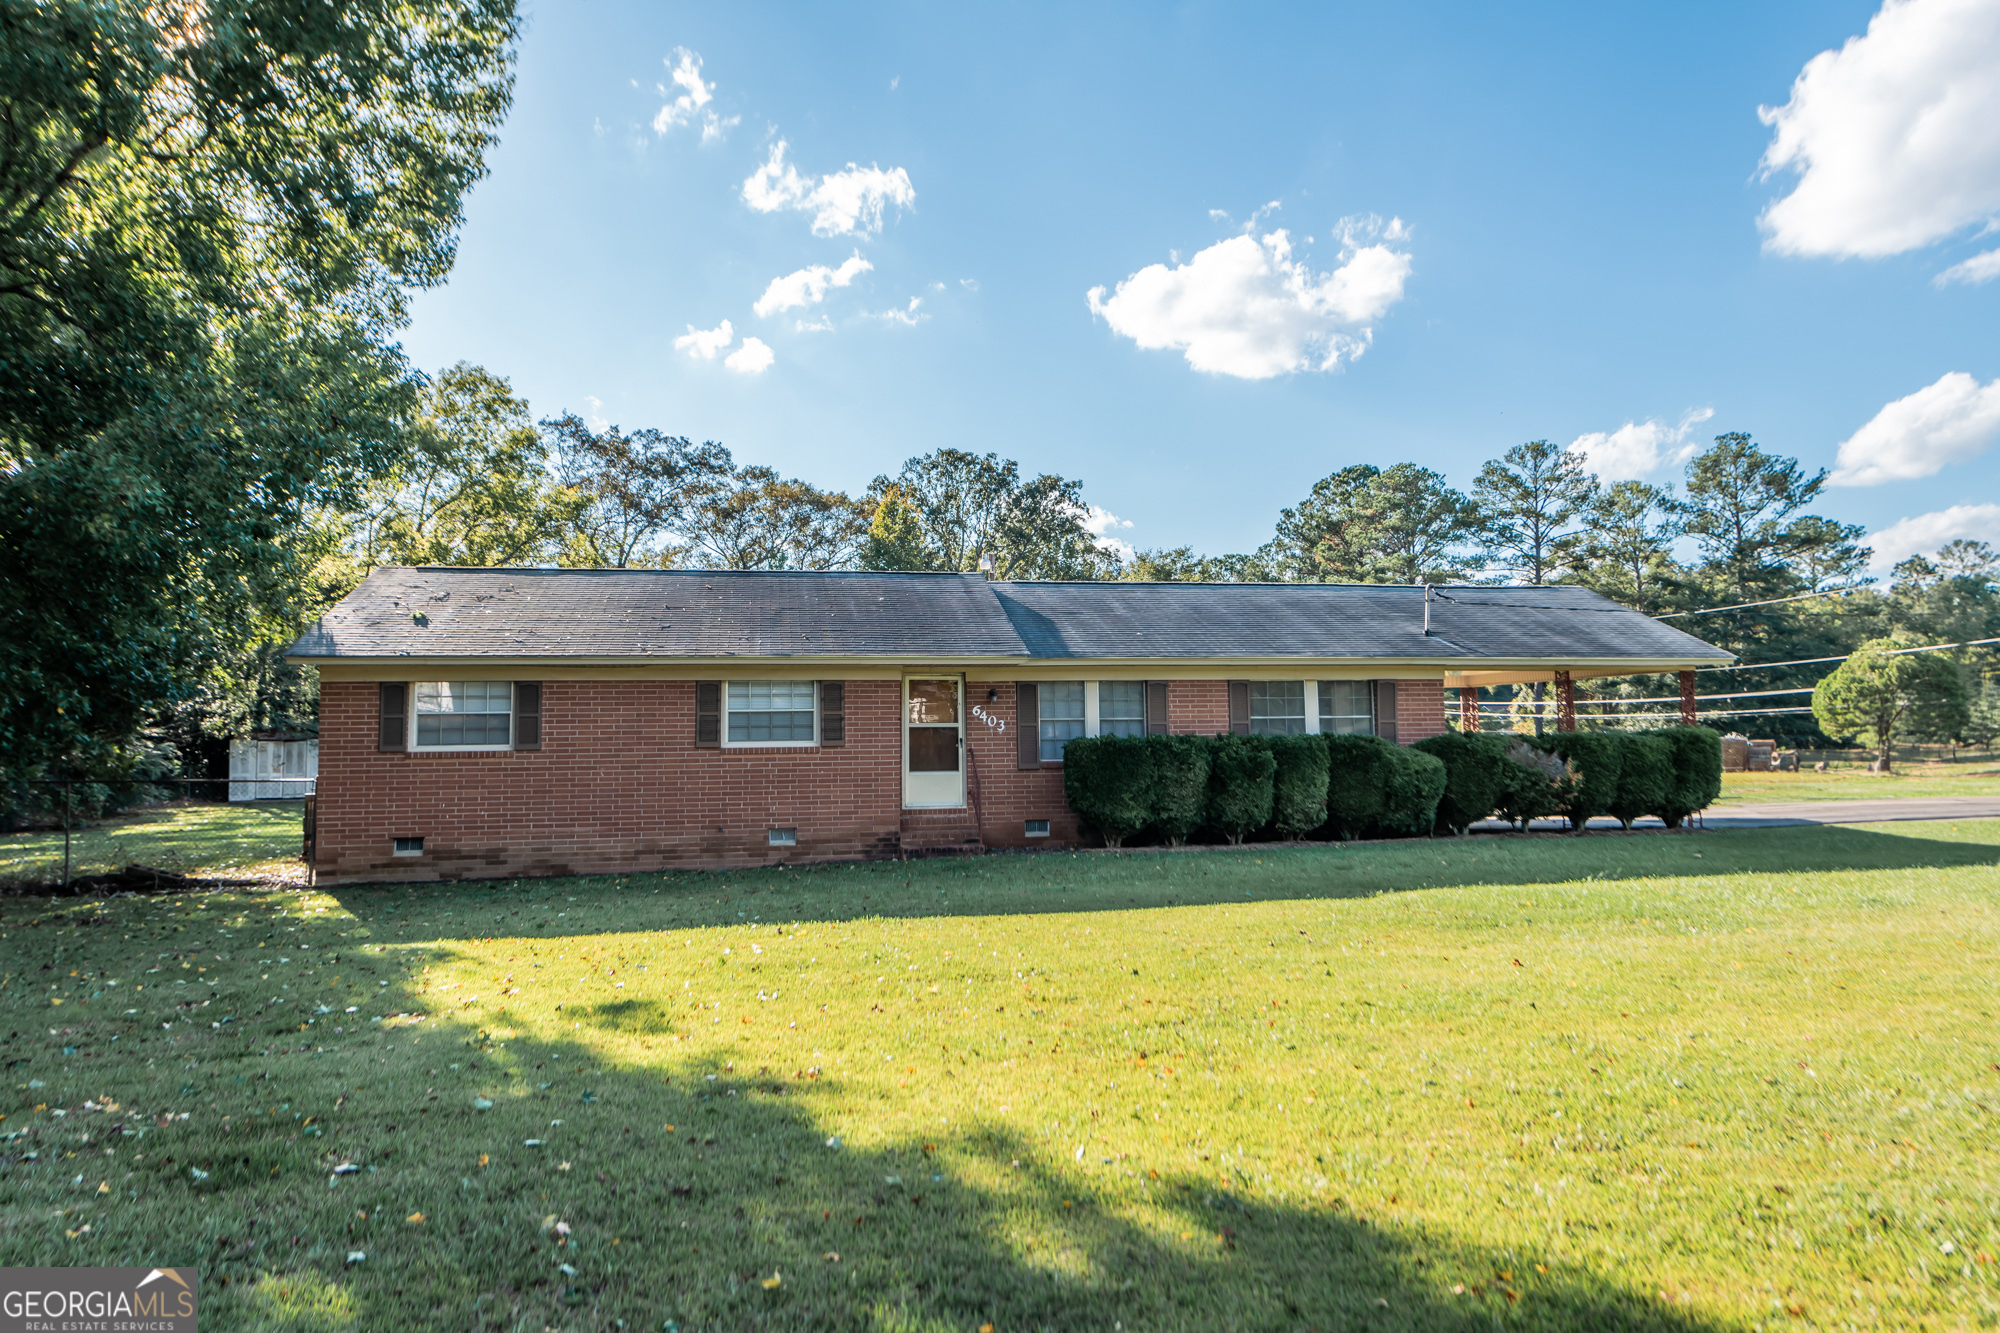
(1858, 784)
(260, 839)
(1719, 1081)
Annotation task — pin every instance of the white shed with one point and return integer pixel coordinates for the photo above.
(274, 770)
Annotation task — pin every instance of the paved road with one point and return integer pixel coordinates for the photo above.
(1794, 813)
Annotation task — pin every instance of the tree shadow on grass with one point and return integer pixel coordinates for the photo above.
(1012, 884)
(676, 1194)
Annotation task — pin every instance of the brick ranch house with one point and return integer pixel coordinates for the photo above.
(494, 722)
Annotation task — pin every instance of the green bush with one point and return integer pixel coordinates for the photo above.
(1476, 779)
(1298, 795)
(1109, 783)
(1645, 776)
(1535, 782)
(1596, 758)
(1241, 774)
(1697, 781)
(1357, 776)
(1179, 797)
(1415, 783)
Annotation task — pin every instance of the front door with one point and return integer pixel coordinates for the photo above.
(933, 741)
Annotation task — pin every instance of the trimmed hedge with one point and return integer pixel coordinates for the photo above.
(1363, 786)
(1109, 783)
(1299, 785)
(1378, 788)
(1697, 778)
(1476, 777)
(1180, 785)
(1597, 758)
(1241, 783)
(1645, 776)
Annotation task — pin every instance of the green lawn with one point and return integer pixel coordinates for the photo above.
(253, 840)
(1682, 1082)
(1858, 784)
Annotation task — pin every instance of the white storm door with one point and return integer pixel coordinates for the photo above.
(933, 741)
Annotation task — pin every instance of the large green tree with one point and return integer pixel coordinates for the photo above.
(1530, 501)
(1738, 501)
(1364, 524)
(1879, 692)
(758, 519)
(636, 493)
(979, 505)
(1627, 549)
(210, 215)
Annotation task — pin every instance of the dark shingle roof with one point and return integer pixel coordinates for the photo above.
(549, 613)
(1333, 620)
(661, 613)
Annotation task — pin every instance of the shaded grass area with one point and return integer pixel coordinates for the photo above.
(1858, 784)
(1733, 1080)
(260, 839)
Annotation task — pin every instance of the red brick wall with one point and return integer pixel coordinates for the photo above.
(1198, 707)
(616, 786)
(1419, 709)
(619, 786)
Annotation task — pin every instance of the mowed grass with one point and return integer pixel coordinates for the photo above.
(1718, 1081)
(261, 839)
(1858, 784)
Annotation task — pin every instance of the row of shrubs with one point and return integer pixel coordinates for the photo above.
(1237, 787)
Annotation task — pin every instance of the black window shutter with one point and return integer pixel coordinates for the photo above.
(395, 729)
(1385, 709)
(708, 714)
(527, 715)
(1156, 708)
(833, 712)
(1027, 725)
(1239, 708)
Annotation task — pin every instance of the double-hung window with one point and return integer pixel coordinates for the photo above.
(1277, 708)
(464, 714)
(1061, 717)
(770, 712)
(1347, 707)
(1121, 708)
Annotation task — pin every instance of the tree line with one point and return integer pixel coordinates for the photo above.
(208, 431)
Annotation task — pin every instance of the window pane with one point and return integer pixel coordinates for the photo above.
(1346, 707)
(933, 701)
(771, 712)
(1121, 708)
(1277, 708)
(1061, 717)
(933, 749)
(464, 712)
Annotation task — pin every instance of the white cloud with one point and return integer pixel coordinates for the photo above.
(809, 286)
(752, 358)
(1978, 269)
(1923, 534)
(846, 203)
(1895, 136)
(820, 325)
(1948, 422)
(691, 104)
(908, 315)
(598, 421)
(1100, 523)
(705, 344)
(1246, 307)
(1639, 448)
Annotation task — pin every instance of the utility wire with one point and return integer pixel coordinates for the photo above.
(1740, 606)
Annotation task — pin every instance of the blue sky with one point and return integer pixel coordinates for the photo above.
(1497, 225)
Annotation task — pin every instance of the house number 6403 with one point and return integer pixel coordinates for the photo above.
(996, 723)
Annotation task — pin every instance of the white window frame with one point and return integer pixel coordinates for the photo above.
(1094, 705)
(1325, 719)
(727, 744)
(1309, 705)
(1089, 716)
(411, 740)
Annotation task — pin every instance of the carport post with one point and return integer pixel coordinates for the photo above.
(1687, 698)
(1468, 709)
(1565, 702)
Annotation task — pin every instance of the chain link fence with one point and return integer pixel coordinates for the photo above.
(157, 836)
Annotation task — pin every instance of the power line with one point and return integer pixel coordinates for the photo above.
(1670, 698)
(1740, 606)
(1706, 712)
